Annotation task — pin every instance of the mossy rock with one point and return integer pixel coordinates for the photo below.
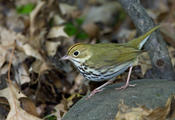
(104, 105)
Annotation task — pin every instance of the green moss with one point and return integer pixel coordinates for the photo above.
(82, 35)
(79, 21)
(25, 9)
(51, 118)
(158, 95)
(74, 29)
(70, 29)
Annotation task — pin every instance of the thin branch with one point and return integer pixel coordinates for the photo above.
(10, 62)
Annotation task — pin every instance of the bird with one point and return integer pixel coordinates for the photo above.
(104, 61)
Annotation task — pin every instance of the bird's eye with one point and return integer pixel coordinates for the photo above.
(76, 53)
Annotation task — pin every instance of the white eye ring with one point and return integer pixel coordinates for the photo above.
(76, 53)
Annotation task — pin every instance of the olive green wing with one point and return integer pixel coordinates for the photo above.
(111, 54)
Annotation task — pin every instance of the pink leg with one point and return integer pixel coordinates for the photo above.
(99, 89)
(127, 82)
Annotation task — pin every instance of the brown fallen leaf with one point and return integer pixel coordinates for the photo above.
(128, 113)
(171, 51)
(142, 113)
(144, 62)
(12, 94)
(67, 9)
(31, 51)
(163, 113)
(4, 106)
(40, 66)
(8, 37)
(51, 47)
(57, 31)
(168, 31)
(16, 112)
(91, 29)
(28, 106)
(23, 74)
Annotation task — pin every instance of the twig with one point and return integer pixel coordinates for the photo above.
(10, 62)
(33, 15)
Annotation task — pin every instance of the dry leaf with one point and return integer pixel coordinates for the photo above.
(126, 34)
(66, 9)
(8, 37)
(57, 31)
(60, 107)
(78, 82)
(4, 69)
(30, 51)
(142, 113)
(3, 54)
(51, 47)
(128, 113)
(144, 62)
(28, 106)
(22, 75)
(163, 113)
(169, 31)
(16, 112)
(91, 29)
(39, 66)
(60, 110)
(58, 20)
(171, 51)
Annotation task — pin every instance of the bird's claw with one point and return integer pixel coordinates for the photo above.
(94, 92)
(126, 86)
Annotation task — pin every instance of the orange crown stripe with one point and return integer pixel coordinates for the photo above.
(72, 47)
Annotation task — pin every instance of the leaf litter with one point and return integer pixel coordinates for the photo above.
(40, 85)
(142, 113)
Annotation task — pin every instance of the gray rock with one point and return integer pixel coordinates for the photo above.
(104, 105)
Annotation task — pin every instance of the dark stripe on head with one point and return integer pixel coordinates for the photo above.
(73, 47)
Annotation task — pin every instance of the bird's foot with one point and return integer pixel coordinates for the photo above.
(97, 90)
(126, 86)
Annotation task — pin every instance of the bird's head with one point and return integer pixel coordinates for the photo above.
(78, 53)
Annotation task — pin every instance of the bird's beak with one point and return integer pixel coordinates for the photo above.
(64, 57)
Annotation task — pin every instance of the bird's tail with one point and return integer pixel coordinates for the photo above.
(140, 41)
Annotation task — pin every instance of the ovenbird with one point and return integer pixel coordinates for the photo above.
(103, 61)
